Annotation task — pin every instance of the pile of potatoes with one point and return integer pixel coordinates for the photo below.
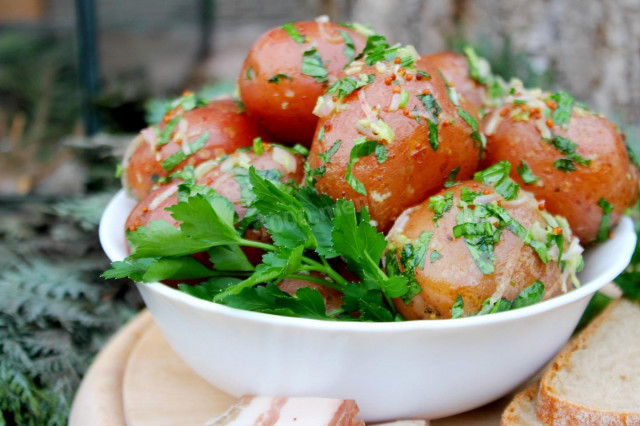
(401, 134)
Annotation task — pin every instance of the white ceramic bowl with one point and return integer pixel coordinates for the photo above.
(426, 369)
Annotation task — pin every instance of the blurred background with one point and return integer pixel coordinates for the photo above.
(79, 78)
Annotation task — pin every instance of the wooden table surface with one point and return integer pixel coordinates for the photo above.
(138, 380)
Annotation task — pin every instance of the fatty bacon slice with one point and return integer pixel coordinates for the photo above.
(281, 411)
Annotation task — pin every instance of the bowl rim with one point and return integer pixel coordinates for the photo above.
(624, 227)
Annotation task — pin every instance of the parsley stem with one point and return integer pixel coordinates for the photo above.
(328, 270)
(257, 244)
(316, 280)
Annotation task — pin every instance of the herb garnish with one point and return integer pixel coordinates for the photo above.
(498, 174)
(313, 66)
(293, 33)
(433, 111)
(475, 132)
(450, 182)
(562, 114)
(361, 148)
(605, 222)
(278, 77)
(526, 174)
(349, 47)
(528, 296)
(326, 156)
(568, 148)
(343, 88)
(173, 160)
(439, 205)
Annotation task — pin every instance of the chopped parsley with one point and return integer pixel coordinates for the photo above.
(321, 134)
(439, 205)
(278, 77)
(250, 73)
(165, 135)
(528, 296)
(381, 153)
(293, 33)
(346, 86)
(605, 222)
(562, 114)
(568, 148)
(258, 147)
(361, 148)
(433, 110)
(173, 160)
(498, 174)
(526, 174)
(376, 50)
(450, 182)
(313, 66)
(327, 155)
(435, 255)
(349, 47)
(475, 131)
(478, 67)
(564, 165)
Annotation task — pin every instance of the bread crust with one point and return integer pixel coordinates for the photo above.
(510, 416)
(552, 409)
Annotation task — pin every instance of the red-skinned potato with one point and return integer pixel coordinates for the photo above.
(455, 68)
(571, 188)
(414, 168)
(228, 129)
(219, 175)
(273, 87)
(453, 272)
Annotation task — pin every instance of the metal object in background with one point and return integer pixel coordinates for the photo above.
(88, 59)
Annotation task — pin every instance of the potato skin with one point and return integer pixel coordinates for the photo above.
(517, 265)
(229, 129)
(574, 195)
(220, 178)
(285, 108)
(455, 68)
(413, 170)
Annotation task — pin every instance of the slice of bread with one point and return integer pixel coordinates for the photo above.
(522, 409)
(595, 380)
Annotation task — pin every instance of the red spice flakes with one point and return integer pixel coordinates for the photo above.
(504, 111)
(542, 205)
(396, 60)
(388, 81)
(328, 126)
(145, 209)
(426, 92)
(549, 123)
(557, 231)
(396, 89)
(552, 104)
(406, 112)
(409, 77)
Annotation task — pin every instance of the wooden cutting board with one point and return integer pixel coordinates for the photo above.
(138, 380)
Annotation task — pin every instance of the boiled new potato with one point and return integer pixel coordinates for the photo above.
(573, 159)
(421, 138)
(477, 266)
(287, 69)
(186, 138)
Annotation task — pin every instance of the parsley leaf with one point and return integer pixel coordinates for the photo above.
(173, 160)
(293, 33)
(346, 86)
(562, 114)
(498, 175)
(312, 66)
(381, 153)
(479, 69)
(361, 148)
(450, 182)
(165, 135)
(327, 155)
(526, 174)
(349, 47)
(210, 288)
(435, 255)
(568, 148)
(529, 295)
(278, 77)
(475, 132)
(457, 310)
(605, 222)
(439, 205)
